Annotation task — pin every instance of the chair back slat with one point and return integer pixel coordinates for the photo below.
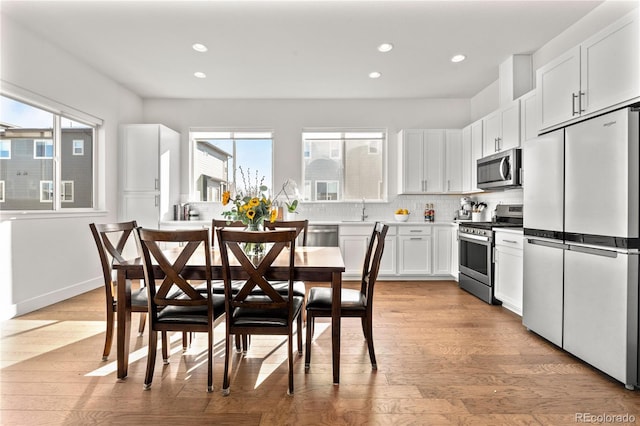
(173, 267)
(231, 242)
(223, 223)
(373, 259)
(103, 233)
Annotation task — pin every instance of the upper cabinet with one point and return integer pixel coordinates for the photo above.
(529, 119)
(471, 152)
(429, 161)
(597, 74)
(502, 129)
(149, 174)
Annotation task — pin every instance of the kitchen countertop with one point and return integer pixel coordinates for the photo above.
(518, 231)
(200, 223)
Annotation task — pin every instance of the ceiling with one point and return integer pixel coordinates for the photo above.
(298, 49)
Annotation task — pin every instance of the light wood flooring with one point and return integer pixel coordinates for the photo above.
(444, 358)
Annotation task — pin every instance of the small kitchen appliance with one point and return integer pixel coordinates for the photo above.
(466, 206)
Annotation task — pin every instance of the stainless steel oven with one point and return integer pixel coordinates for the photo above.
(475, 241)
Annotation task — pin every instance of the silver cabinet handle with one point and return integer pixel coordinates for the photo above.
(157, 200)
(510, 241)
(580, 97)
(499, 140)
(155, 183)
(416, 230)
(416, 238)
(573, 104)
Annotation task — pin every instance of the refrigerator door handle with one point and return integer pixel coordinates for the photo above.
(594, 251)
(551, 244)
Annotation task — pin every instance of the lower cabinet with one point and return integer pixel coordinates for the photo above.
(508, 269)
(411, 252)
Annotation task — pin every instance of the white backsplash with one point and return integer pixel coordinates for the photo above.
(445, 207)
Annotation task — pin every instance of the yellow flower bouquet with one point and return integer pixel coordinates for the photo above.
(251, 207)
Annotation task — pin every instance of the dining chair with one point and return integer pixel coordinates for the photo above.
(193, 310)
(111, 239)
(301, 227)
(269, 312)
(355, 303)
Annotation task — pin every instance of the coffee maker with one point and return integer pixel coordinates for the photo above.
(466, 205)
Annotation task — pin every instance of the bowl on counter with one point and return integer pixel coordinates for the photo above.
(401, 217)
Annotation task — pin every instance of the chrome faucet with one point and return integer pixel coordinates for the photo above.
(364, 216)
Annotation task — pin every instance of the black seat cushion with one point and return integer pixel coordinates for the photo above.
(320, 299)
(299, 287)
(191, 314)
(247, 317)
(139, 298)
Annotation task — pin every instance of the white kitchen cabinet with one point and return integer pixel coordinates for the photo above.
(149, 173)
(389, 255)
(421, 161)
(453, 158)
(529, 119)
(467, 159)
(414, 250)
(599, 73)
(502, 129)
(442, 250)
(477, 134)
(354, 242)
(508, 259)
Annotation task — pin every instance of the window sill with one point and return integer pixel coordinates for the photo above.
(33, 214)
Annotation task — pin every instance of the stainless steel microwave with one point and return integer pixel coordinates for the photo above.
(501, 171)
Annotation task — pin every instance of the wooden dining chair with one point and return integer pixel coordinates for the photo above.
(355, 303)
(268, 311)
(192, 310)
(301, 227)
(111, 239)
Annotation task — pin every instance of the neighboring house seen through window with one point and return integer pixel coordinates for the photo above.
(344, 165)
(33, 142)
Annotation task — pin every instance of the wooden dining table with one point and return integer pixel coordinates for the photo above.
(312, 264)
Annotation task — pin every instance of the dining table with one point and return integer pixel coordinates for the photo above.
(312, 264)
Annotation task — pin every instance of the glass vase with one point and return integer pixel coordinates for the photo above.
(254, 250)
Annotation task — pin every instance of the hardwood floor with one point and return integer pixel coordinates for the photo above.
(444, 358)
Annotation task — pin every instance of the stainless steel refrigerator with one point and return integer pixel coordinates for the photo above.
(581, 198)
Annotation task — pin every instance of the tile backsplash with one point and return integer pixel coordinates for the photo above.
(445, 207)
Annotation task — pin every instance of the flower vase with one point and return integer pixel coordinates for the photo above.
(290, 216)
(254, 250)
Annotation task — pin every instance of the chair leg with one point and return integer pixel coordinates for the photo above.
(237, 339)
(185, 340)
(290, 359)
(151, 358)
(227, 356)
(108, 338)
(165, 348)
(363, 322)
(369, 336)
(143, 319)
(307, 352)
(210, 359)
(245, 343)
(300, 331)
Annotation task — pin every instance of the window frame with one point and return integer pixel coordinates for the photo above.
(50, 191)
(63, 191)
(327, 182)
(73, 147)
(2, 187)
(61, 111)
(48, 143)
(343, 136)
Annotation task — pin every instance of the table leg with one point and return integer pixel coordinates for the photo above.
(124, 323)
(336, 286)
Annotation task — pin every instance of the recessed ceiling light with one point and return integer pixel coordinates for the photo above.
(458, 58)
(374, 74)
(385, 47)
(198, 47)
(200, 74)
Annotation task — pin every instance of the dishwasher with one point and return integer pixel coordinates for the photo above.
(322, 236)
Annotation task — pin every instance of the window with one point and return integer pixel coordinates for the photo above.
(5, 149)
(1, 191)
(42, 148)
(66, 193)
(218, 157)
(48, 158)
(78, 147)
(344, 165)
(46, 191)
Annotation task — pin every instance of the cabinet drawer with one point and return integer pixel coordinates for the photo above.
(414, 230)
(508, 239)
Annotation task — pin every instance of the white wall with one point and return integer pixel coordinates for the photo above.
(288, 117)
(45, 260)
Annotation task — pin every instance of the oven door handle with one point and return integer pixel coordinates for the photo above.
(474, 238)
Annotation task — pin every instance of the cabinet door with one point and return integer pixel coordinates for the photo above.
(509, 271)
(509, 127)
(610, 65)
(414, 254)
(467, 160)
(141, 207)
(453, 156)
(353, 248)
(388, 262)
(477, 130)
(529, 122)
(492, 130)
(139, 157)
(434, 161)
(442, 251)
(412, 161)
(557, 84)
(169, 172)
